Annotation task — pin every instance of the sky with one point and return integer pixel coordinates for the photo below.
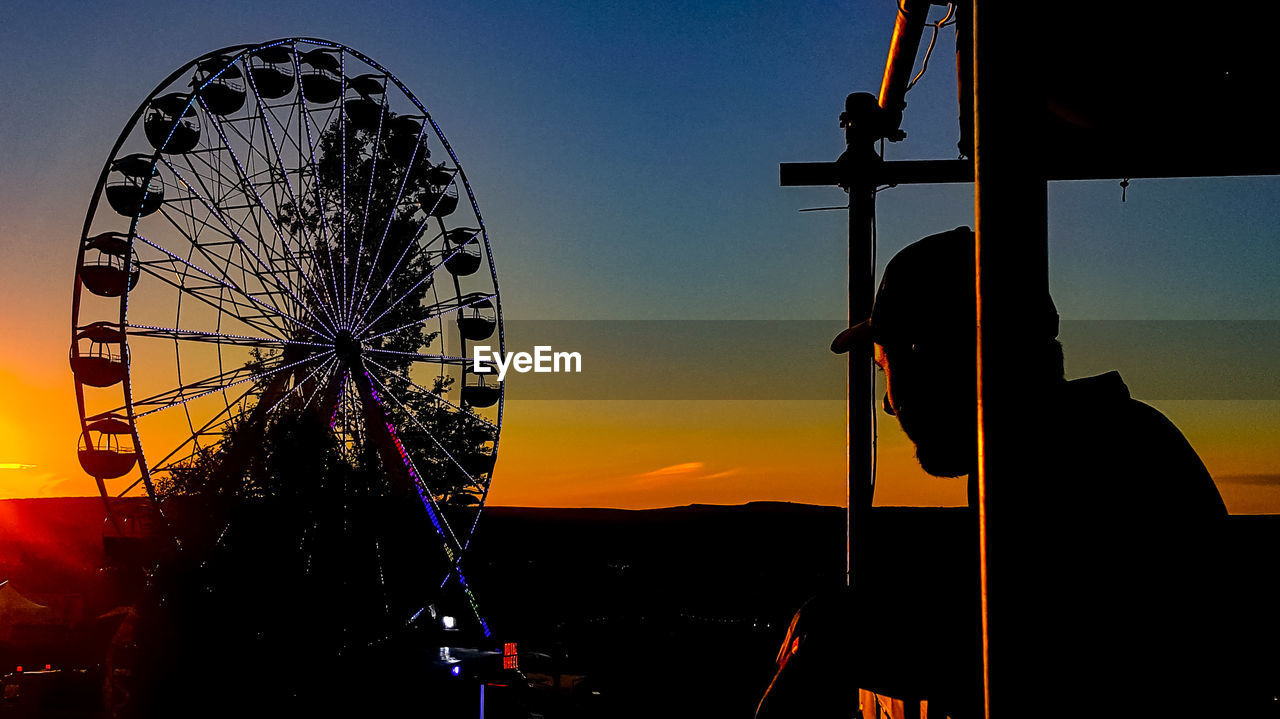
(625, 158)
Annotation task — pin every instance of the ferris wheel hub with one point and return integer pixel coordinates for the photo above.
(347, 347)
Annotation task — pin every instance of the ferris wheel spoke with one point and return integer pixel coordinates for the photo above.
(373, 262)
(427, 495)
(437, 516)
(427, 276)
(269, 177)
(198, 224)
(305, 120)
(257, 196)
(175, 459)
(185, 399)
(345, 309)
(197, 291)
(435, 311)
(227, 378)
(368, 201)
(332, 365)
(132, 486)
(411, 245)
(253, 180)
(223, 192)
(229, 196)
(222, 237)
(419, 357)
(276, 244)
(396, 266)
(298, 386)
(181, 395)
(472, 480)
(267, 115)
(434, 395)
(244, 245)
(323, 304)
(222, 338)
(250, 315)
(209, 429)
(289, 294)
(215, 208)
(227, 231)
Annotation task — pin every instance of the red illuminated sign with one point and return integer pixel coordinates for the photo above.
(510, 657)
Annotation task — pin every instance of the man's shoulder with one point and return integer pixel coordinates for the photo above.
(1106, 400)
(1130, 437)
(1108, 385)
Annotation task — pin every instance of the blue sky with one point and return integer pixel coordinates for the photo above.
(626, 154)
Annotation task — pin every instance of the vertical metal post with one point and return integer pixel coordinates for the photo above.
(868, 121)
(865, 124)
(1010, 213)
(861, 379)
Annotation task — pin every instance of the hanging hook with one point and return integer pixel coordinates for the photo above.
(1124, 188)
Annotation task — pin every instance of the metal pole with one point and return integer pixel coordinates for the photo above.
(867, 121)
(861, 379)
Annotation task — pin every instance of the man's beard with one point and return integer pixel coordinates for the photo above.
(943, 449)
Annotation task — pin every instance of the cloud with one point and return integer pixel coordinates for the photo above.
(675, 469)
(683, 473)
(15, 465)
(55, 486)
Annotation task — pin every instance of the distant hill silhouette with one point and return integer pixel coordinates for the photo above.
(54, 545)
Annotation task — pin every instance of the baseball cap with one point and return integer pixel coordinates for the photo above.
(927, 292)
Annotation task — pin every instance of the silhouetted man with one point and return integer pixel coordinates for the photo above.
(1119, 522)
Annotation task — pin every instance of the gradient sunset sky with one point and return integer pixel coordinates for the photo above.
(625, 158)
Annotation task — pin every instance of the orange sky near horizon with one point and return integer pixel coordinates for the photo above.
(655, 453)
(633, 453)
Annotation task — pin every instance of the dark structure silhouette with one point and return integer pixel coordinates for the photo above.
(1047, 92)
(338, 445)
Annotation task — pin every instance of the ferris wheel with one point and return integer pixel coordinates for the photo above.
(282, 236)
